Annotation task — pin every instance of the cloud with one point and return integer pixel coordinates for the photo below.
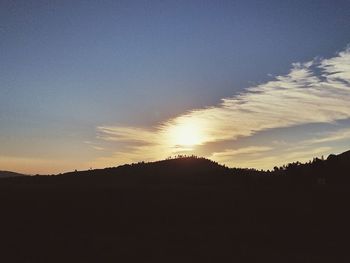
(251, 150)
(283, 157)
(342, 134)
(317, 91)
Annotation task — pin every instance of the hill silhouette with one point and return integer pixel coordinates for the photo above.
(185, 209)
(184, 165)
(178, 170)
(4, 174)
(193, 169)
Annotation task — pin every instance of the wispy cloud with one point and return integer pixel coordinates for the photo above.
(230, 153)
(268, 161)
(317, 91)
(342, 134)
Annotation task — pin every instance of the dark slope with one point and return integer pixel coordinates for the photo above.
(181, 166)
(345, 155)
(181, 170)
(343, 158)
(334, 170)
(180, 210)
(5, 174)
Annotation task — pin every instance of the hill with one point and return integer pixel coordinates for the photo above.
(186, 209)
(192, 169)
(333, 170)
(170, 171)
(5, 174)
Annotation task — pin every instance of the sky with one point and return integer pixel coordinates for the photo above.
(92, 84)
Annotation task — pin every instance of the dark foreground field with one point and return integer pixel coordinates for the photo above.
(145, 219)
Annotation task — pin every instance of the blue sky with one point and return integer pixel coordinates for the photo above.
(70, 69)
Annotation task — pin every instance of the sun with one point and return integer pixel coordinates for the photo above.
(186, 135)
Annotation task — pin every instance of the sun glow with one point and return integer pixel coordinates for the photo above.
(186, 135)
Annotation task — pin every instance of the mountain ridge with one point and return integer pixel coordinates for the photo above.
(5, 174)
(192, 170)
(333, 168)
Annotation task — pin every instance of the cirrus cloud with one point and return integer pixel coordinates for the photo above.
(317, 91)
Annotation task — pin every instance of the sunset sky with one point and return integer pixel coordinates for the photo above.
(92, 84)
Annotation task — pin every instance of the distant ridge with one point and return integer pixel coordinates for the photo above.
(333, 169)
(192, 169)
(187, 165)
(5, 174)
(177, 170)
